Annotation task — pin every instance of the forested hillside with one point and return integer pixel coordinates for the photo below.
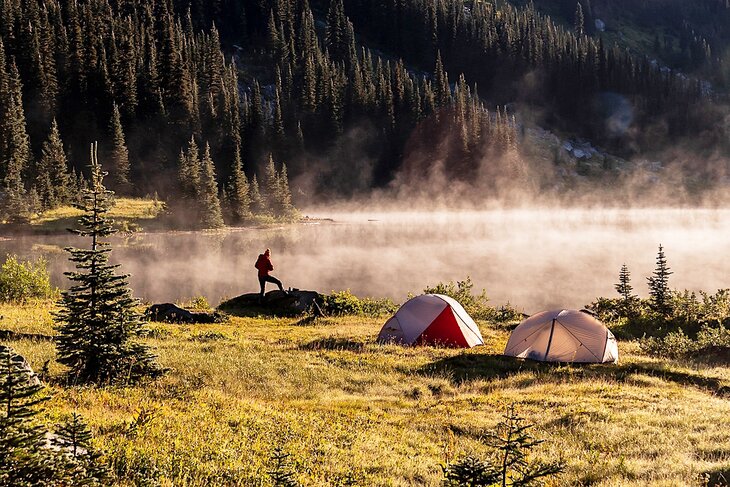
(216, 105)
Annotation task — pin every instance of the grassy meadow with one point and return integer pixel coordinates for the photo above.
(348, 410)
(129, 215)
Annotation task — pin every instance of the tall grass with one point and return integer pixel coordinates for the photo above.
(344, 407)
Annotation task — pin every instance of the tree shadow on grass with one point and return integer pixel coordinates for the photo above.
(718, 477)
(333, 344)
(469, 367)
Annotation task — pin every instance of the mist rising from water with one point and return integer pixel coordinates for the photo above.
(535, 259)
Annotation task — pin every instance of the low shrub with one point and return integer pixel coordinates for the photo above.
(340, 303)
(709, 342)
(688, 312)
(24, 280)
(196, 302)
(477, 305)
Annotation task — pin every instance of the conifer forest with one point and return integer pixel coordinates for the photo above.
(196, 100)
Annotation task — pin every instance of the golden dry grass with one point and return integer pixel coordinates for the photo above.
(128, 214)
(341, 404)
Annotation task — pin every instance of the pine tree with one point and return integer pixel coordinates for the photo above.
(282, 474)
(624, 284)
(23, 460)
(189, 170)
(511, 465)
(54, 182)
(18, 154)
(258, 206)
(75, 437)
(98, 327)
(659, 292)
(119, 154)
(239, 198)
(210, 206)
(271, 193)
(285, 205)
(579, 21)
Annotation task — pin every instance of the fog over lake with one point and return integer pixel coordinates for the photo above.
(535, 259)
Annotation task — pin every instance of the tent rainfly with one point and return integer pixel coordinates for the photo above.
(563, 336)
(432, 319)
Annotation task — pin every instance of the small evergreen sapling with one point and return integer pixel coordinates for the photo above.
(625, 289)
(659, 285)
(282, 474)
(23, 459)
(74, 437)
(509, 466)
(98, 326)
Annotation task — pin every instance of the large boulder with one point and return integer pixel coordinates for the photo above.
(170, 313)
(278, 303)
(18, 362)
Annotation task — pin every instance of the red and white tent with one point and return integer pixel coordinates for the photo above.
(432, 319)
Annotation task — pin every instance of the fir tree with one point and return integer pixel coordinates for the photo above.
(659, 292)
(210, 206)
(239, 198)
(18, 154)
(75, 437)
(119, 154)
(511, 465)
(23, 459)
(54, 182)
(579, 21)
(257, 201)
(441, 80)
(282, 474)
(624, 287)
(189, 170)
(271, 193)
(98, 327)
(285, 205)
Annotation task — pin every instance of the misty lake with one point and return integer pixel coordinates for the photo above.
(533, 259)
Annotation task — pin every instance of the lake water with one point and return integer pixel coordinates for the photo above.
(535, 259)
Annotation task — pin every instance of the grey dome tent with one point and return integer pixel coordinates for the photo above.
(564, 335)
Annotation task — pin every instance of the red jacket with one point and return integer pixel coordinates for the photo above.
(263, 264)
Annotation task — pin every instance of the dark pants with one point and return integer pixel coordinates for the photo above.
(264, 279)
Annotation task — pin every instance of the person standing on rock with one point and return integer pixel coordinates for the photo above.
(264, 265)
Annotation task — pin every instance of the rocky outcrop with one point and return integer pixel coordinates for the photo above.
(277, 303)
(19, 363)
(170, 313)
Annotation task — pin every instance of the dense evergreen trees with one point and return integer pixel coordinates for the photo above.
(254, 78)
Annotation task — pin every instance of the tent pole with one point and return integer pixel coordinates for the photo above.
(550, 340)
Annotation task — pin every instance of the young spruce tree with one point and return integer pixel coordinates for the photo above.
(210, 205)
(659, 285)
(511, 464)
(55, 185)
(74, 437)
(119, 154)
(23, 460)
(239, 198)
(98, 327)
(624, 287)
